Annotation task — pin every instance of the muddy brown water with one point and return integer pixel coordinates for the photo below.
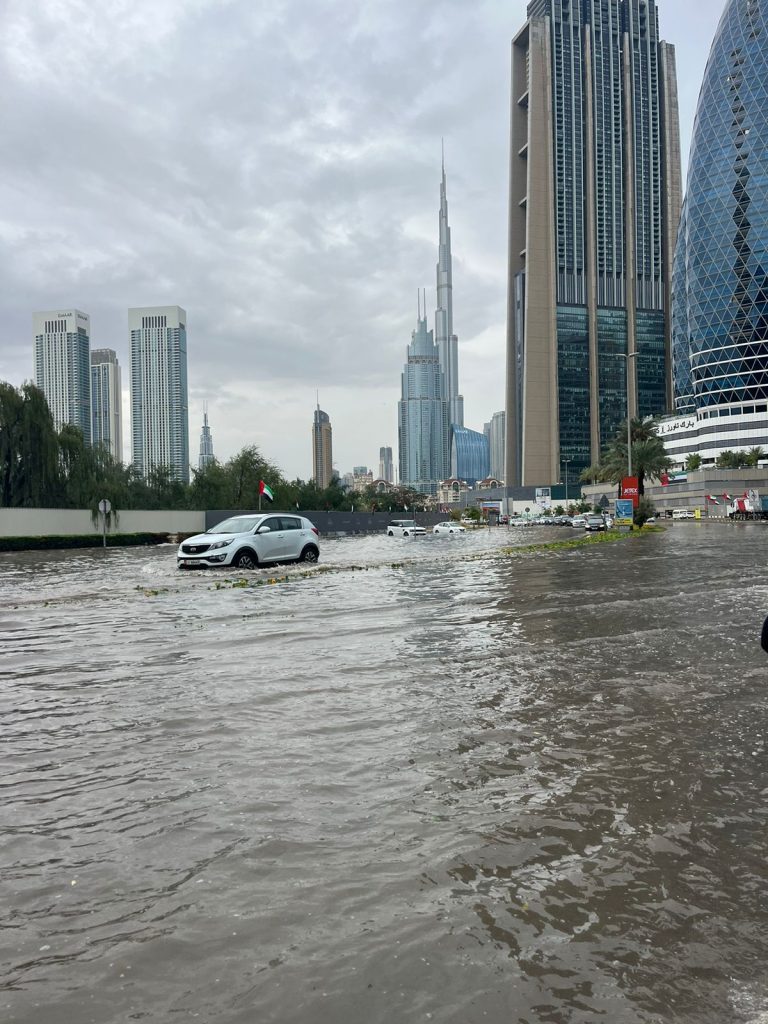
(434, 784)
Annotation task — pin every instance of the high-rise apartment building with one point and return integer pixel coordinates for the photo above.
(322, 449)
(422, 433)
(446, 341)
(495, 431)
(386, 466)
(62, 366)
(159, 399)
(720, 303)
(206, 455)
(107, 402)
(595, 195)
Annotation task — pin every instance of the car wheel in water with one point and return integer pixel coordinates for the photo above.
(391, 534)
(309, 554)
(246, 560)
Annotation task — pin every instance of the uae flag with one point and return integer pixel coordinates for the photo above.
(727, 497)
(711, 497)
(265, 491)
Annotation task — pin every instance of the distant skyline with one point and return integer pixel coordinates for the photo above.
(283, 191)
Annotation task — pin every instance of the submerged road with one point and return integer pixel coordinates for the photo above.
(435, 784)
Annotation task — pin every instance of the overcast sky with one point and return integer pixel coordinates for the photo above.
(273, 167)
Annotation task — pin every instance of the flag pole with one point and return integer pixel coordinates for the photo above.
(259, 499)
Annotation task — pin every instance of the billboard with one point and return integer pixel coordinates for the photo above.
(630, 488)
(544, 497)
(623, 512)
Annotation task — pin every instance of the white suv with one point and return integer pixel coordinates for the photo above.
(246, 542)
(405, 528)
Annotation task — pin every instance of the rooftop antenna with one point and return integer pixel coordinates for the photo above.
(418, 303)
(442, 152)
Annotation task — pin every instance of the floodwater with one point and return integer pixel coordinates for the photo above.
(435, 784)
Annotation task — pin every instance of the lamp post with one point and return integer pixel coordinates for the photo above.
(565, 463)
(628, 356)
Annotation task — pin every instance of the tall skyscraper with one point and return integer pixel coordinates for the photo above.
(470, 455)
(107, 402)
(62, 366)
(446, 341)
(206, 455)
(386, 466)
(159, 401)
(720, 304)
(422, 433)
(495, 431)
(595, 195)
(322, 449)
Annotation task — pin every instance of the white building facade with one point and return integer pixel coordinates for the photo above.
(62, 366)
(106, 402)
(159, 393)
(495, 431)
(710, 432)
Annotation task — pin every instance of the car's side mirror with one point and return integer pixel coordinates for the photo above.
(264, 529)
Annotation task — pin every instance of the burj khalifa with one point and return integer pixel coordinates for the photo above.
(446, 341)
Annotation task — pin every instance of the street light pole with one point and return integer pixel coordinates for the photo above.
(566, 461)
(628, 356)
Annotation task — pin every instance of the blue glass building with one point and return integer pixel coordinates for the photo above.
(470, 455)
(595, 195)
(720, 300)
(421, 414)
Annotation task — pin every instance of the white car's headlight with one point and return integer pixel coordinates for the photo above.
(220, 544)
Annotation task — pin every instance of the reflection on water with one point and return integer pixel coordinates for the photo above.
(451, 787)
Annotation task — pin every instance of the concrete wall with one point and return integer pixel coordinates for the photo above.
(42, 522)
(341, 522)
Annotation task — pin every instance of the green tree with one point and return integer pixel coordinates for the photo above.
(693, 462)
(753, 456)
(730, 460)
(29, 455)
(644, 511)
(649, 458)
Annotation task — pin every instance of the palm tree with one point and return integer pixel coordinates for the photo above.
(693, 462)
(649, 457)
(754, 455)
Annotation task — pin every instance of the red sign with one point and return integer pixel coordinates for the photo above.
(630, 489)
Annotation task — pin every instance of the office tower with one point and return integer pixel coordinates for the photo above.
(446, 341)
(495, 431)
(206, 455)
(470, 455)
(62, 366)
(106, 402)
(421, 414)
(322, 449)
(720, 302)
(159, 402)
(386, 466)
(594, 208)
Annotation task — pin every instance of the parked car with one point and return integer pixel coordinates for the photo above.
(449, 527)
(594, 524)
(579, 522)
(405, 528)
(246, 542)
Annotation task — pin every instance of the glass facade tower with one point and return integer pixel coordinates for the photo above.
(421, 414)
(720, 302)
(62, 366)
(594, 206)
(159, 394)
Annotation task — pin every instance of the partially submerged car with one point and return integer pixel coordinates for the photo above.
(405, 528)
(246, 542)
(449, 527)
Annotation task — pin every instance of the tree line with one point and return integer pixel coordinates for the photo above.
(41, 467)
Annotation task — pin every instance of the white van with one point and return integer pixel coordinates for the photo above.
(683, 513)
